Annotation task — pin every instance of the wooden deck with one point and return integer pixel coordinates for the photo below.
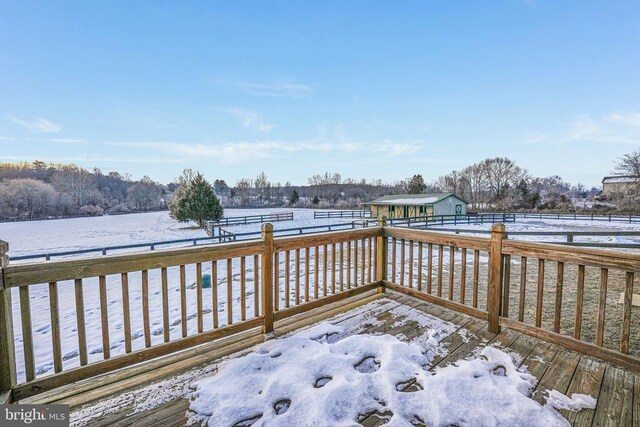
(617, 390)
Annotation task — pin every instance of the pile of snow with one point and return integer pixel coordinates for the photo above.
(322, 377)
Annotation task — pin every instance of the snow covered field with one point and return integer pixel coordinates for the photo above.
(95, 232)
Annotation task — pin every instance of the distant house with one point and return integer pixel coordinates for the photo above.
(417, 205)
(621, 185)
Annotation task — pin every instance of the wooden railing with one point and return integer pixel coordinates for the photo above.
(68, 320)
(120, 310)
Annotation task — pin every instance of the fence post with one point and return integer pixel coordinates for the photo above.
(267, 277)
(7, 354)
(381, 256)
(495, 277)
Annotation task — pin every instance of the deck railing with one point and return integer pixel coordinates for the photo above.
(68, 320)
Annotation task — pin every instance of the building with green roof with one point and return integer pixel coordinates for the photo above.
(418, 205)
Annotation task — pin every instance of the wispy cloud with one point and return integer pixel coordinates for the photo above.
(67, 140)
(250, 119)
(274, 89)
(239, 151)
(37, 125)
(613, 128)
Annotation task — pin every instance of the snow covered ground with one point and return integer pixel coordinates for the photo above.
(331, 374)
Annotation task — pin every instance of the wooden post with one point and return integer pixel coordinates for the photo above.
(495, 277)
(267, 277)
(381, 255)
(7, 354)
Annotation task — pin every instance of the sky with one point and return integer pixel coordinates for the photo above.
(368, 89)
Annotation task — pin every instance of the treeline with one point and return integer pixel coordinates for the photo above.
(492, 184)
(323, 191)
(500, 184)
(47, 190)
(44, 190)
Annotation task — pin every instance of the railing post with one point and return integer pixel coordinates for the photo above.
(267, 277)
(7, 354)
(381, 256)
(495, 277)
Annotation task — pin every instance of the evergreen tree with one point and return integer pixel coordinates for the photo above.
(294, 197)
(315, 200)
(416, 185)
(195, 201)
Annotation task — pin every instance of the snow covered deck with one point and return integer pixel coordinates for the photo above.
(154, 397)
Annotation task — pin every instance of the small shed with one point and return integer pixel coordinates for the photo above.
(417, 205)
(621, 185)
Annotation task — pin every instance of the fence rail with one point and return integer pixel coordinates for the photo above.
(248, 219)
(342, 214)
(124, 309)
(578, 217)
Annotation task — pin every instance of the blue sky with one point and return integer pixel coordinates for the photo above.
(369, 89)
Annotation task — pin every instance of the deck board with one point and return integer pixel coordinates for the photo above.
(617, 390)
(614, 406)
(586, 380)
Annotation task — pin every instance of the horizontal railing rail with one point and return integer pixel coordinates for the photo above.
(568, 234)
(224, 236)
(67, 320)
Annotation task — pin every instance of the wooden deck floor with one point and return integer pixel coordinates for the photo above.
(616, 390)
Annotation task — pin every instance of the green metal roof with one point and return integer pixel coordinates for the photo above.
(413, 199)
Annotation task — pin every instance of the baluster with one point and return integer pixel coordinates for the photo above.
(476, 277)
(199, 296)
(165, 304)
(420, 266)
(452, 269)
(523, 287)
(626, 314)
(27, 333)
(463, 275)
(183, 299)
(440, 256)
(540, 293)
(55, 323)
(316, 270)
(287, 280)
(229, 292)
(243, 288)
(214, 296)
(558, 306)
(506, 287)
(602, 304)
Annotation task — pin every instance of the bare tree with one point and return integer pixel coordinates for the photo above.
(475, 178)
(629, 164)
(75, 181)
(243, 186)
(502, 173)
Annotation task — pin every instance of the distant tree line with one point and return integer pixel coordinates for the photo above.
(43, 190)
(47, 190)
